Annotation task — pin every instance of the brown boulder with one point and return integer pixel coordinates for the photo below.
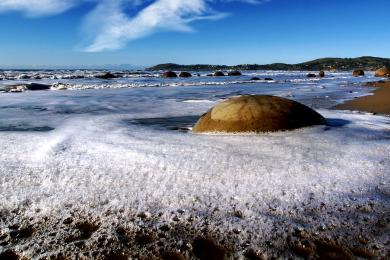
(357, 73)
(383, 72)
(185, 74)
(169, 74)
(257, 113)
(321, 74)
(219, 74)
(234, 73)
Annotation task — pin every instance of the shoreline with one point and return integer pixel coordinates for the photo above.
(378, 103)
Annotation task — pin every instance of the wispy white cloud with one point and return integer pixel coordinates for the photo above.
(169, 15)
(34, 8)
(110, 25)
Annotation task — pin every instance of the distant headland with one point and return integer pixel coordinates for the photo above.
(339, 64)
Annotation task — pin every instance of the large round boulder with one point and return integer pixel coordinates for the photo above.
(357, 73)
(169, 74)
(219, 74)
(321, 74)
(185, 74)
(257, 113)
(383, 72)
(234, 73)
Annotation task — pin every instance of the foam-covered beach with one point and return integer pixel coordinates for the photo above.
(109, 169)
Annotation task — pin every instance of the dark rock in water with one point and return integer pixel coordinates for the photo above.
(144, 238)
(234, 73)
(36, 86)
(257, 113)
(107, 75)
(268, 79)
(110, 256)
(383, 72)
(9, 255)
(321, 74)
(76, 77)
(208, 249)
(311, 75)
(198, 75)
(185, 74)
(210, 75)
(255, 78)
(24, 76)
(22, 233)
(219, 74)
(86, 229)
(172, 256)
(357, 73)
(326, 250)
(169, 74)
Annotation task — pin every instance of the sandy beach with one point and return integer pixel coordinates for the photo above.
(378, 102)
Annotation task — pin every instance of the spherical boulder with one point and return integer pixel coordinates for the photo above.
(185, 74)
(383, 72)
(321, 74)
(234, 73)
(219, 74)
(169, 74)
(257, 113)
(357, 73)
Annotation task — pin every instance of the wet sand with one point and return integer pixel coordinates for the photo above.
(378, 103)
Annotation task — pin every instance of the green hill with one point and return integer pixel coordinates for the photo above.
(342, 64)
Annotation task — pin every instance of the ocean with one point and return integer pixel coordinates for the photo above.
(120, 153)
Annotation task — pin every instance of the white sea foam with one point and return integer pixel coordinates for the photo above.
(98, 161)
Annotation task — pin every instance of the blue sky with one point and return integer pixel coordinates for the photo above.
(147, 32)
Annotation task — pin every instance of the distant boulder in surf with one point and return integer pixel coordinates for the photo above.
(257, 113)
(255, 78)
(107, 75)
(209, 75)
(185, 74)
(24, 76)
(268, 79)
(321, 74)
(311, 75)
(383, 72)
(169, 74)
(357, 73)
(36, 86)
(234, 73)
(219, 74)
